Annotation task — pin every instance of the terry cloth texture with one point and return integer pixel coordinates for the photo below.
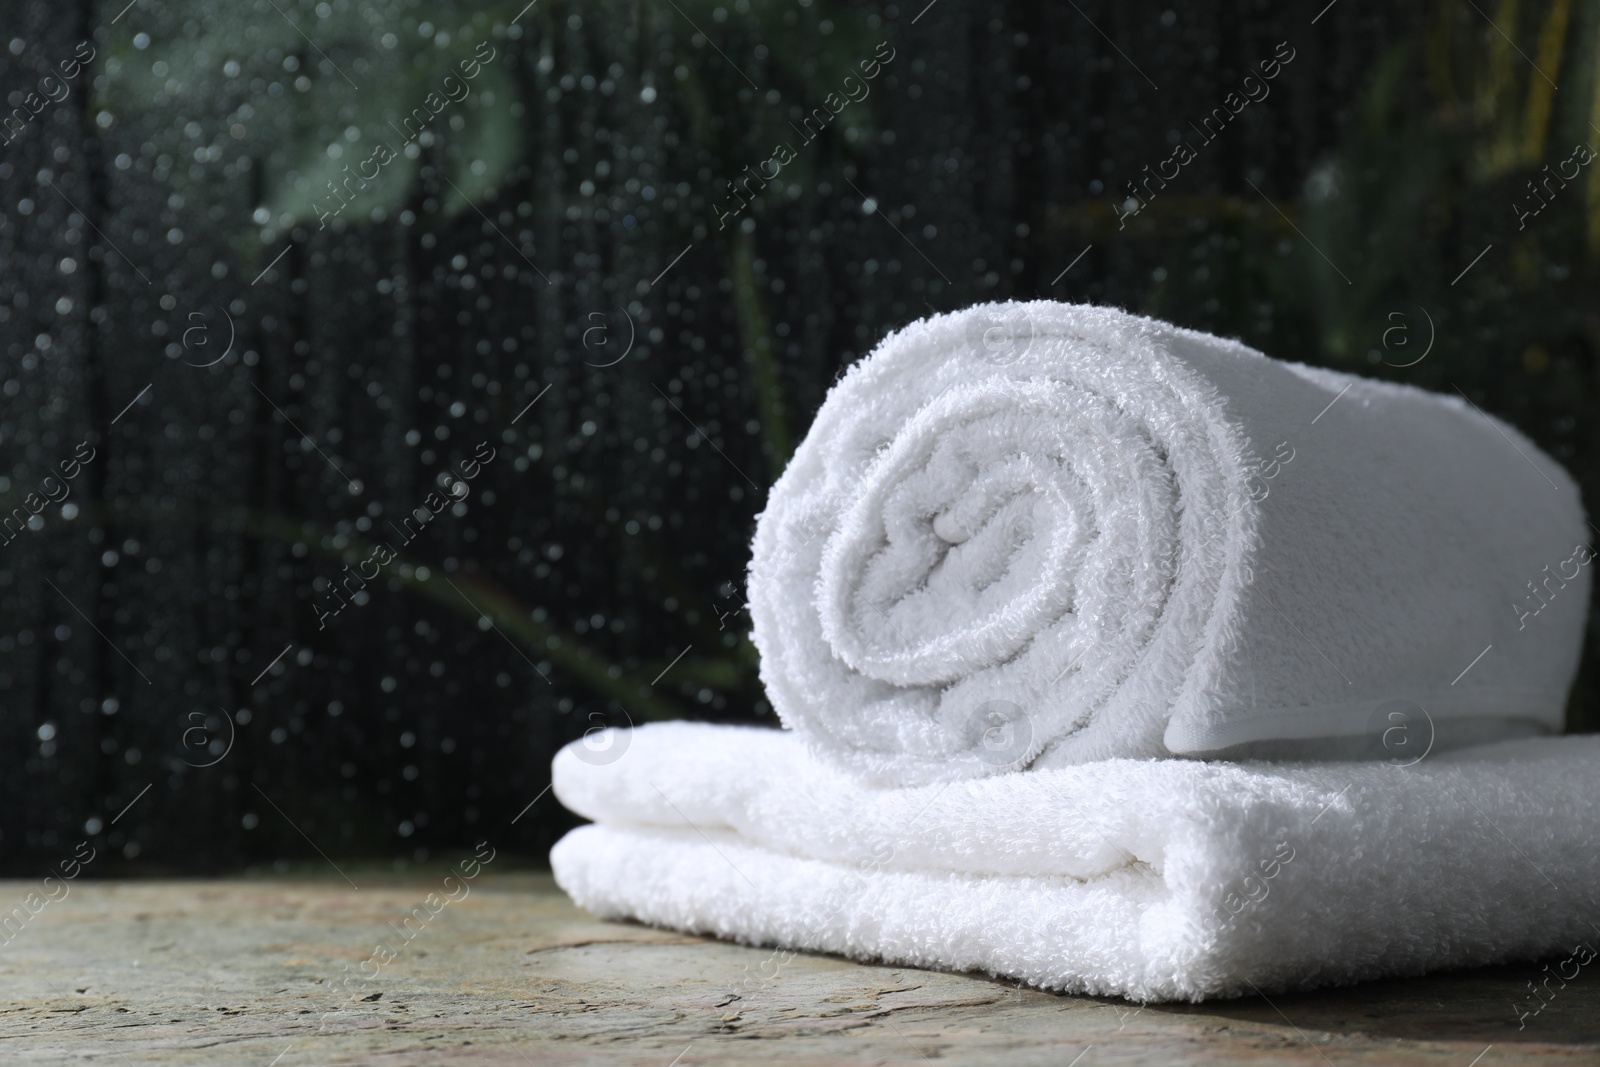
(1151, 879)
(1044, 534)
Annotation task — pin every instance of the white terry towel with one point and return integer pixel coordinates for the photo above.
(1041, 534)
(1152, 879)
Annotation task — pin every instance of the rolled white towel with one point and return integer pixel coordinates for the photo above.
(1037, 534)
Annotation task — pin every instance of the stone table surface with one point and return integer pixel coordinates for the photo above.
(268, 972)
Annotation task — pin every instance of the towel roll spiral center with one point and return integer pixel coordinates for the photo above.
(996, 514)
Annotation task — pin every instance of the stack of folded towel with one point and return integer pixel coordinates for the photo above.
(1040, 594)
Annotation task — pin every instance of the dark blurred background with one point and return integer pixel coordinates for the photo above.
(282, 308)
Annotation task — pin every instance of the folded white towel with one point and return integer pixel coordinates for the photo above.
(1155, 880)
(1041, 534)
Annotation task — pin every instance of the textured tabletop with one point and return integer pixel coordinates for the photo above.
(285, 973)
